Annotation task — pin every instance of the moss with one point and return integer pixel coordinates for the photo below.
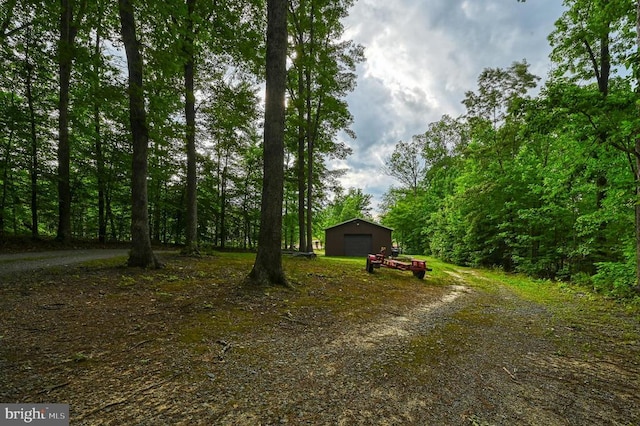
(126, 281)
(217, 324)
(424, 353)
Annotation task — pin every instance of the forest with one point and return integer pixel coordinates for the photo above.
(545, 184)
(536, 178)
(68, 174)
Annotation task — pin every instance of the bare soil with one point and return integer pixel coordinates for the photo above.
(191, 344)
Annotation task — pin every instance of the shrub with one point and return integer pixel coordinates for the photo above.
(615, 278)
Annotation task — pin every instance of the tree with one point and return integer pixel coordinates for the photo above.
(344, 207)
(592, 41)
(191, 244)
(141, 253)
(636, 150)
(405, 164)
(68, 31)
(227, 47)
(267, 269)
(426, 168)
(321, 75)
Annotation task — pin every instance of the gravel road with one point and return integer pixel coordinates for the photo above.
(188, 345)
(25, 262)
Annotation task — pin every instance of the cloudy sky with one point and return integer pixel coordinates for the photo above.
(422, 56)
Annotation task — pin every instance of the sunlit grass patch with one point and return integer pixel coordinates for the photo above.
(219, 324)
(325, 291)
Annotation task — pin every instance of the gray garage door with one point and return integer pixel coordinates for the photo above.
(357, 244)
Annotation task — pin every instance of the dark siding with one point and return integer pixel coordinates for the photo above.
(335, 237)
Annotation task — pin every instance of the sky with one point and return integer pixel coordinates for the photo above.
(421, 58)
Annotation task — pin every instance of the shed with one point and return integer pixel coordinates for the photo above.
(356, 237)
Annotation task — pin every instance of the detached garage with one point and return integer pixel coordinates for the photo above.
(356, 237)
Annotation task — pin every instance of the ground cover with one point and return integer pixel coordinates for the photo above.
(190, 344)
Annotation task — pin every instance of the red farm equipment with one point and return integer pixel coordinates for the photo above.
(418, 267)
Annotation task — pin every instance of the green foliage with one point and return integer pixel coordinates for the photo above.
(537, 185)
(228, 45)
(353, 204)
(615, 278)
(544, 185)
(405, 163)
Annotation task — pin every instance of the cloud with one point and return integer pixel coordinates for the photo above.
(421, 58)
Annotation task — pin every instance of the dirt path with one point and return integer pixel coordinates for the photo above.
(470, 357)
(140, 352)
(23, 262)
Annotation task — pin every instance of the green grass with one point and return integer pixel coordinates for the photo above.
(335, 290)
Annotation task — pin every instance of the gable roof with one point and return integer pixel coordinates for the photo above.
(357, 219)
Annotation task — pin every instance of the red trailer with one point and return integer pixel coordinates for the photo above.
(418, 267)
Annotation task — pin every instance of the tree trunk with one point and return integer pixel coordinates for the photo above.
(637, 153)
(223, 206)
(109, 216)
(309, 227)
(100, 169)
(156, 210)
(5, 175)
(65, 59)
(191, 246)
(33, 169)
(267, 269)
(310, 131)
(302, 241)
(141, 253)
(637, 211)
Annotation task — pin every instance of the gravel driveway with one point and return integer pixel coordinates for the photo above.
(188, 345)
(24, 262)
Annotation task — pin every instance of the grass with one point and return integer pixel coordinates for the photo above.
(326, 290)
(181, 317)
(330, 289)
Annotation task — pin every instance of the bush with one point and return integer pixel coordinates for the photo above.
(615, 278)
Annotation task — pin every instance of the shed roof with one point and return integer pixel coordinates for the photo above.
(358, 220)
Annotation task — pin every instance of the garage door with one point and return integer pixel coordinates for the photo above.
(357, 244)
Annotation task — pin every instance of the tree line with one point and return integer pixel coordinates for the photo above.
(545, 184)
(144, 121)
(116, 114)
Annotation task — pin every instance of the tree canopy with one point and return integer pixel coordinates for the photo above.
(545, 185)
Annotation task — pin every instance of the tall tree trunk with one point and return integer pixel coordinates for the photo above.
(100, 169)
(301, 159)
(302, 237)
(637, 153)
(191, 246)
(155, 203)
(309, 127)
(309, 218)
(33, 169)
(300, 104)
(601, 66)
(637, 211)
(5, 175)
(246, 225)
(267, 269)
(110, 217)
(217, 220)
(141, 253)
(223, 206)
(65, 59)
